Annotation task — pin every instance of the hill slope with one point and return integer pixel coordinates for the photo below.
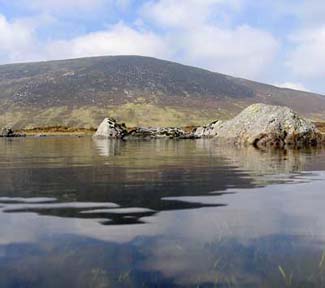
(136, 90)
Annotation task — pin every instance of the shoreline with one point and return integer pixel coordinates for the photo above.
(71, 131)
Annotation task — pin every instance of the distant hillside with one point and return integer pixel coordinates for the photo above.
(136, 90)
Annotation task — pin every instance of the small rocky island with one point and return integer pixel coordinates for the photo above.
(259, 125)
(109, 128)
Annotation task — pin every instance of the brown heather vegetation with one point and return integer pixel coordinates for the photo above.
(57, 130)
(320, 126)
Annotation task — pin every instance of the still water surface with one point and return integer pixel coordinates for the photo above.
(78, 212)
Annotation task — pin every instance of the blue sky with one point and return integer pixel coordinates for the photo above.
(278, 42)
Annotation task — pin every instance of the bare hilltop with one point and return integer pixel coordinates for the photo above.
(139, 91)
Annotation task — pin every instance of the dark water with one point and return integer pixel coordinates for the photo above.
(75, 212)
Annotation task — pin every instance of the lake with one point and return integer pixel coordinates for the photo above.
(79, 212)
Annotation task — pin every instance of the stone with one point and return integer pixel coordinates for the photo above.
(264, 125)
(109, 128)
(8, 132)
(208, 131)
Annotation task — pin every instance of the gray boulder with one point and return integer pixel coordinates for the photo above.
(208, 131)
(109, 128)
(266, 125)
(8, 132)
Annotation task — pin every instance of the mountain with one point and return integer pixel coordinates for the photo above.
(133, 89)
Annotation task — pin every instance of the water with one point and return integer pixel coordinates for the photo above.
(78, 212)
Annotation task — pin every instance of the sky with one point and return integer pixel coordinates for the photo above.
(281, 42)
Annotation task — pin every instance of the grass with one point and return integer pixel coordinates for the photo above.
(132, 114)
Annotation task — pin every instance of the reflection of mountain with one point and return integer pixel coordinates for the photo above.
(145, 174)
(138, 174)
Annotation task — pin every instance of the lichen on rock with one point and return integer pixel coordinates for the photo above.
(109, 128)
(264, 125)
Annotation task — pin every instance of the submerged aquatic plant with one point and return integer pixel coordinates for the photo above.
(287, 278)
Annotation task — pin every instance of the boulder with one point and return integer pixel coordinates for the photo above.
(208, 131)
(264, 125)
(109, 128)
(8, 132)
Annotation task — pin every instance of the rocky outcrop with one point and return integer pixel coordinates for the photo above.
(8, 132)
(109, 128)
(154, 133)
(268, 126)
(208, 131)
(259, 125)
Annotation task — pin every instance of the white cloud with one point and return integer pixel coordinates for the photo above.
(307, 59)
(184, 13)
(181, 13)
(193, 29)
(292, 85)
(242, 51)
(117, 40)
(17, 41)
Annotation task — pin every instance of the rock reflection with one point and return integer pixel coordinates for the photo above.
(139, 174)
(262, 163)
(108, 148)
